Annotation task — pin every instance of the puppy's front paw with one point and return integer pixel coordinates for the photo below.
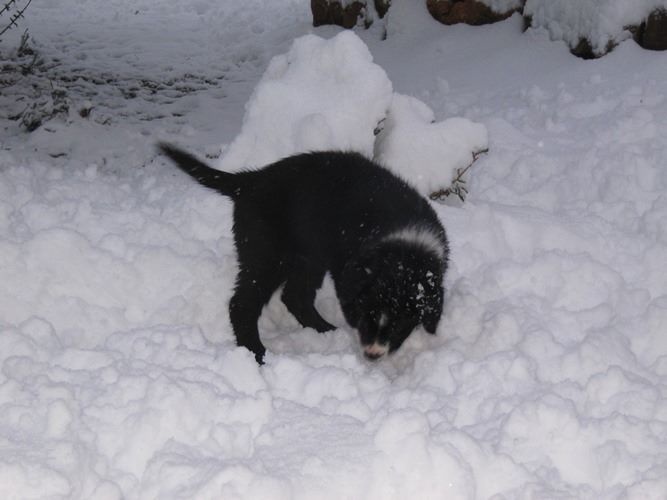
(324, 326)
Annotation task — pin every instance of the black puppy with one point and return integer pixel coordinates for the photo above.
(302, 216)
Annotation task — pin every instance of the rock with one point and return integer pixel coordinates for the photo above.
(333, 12)
(584, 50)
(382, 6)
(652, 34)
(465, 11)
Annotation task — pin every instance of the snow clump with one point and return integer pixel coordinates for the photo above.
(329, 94)
(426, 152)
(322, 94)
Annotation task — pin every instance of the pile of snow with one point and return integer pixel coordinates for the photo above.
(323, 94)
(426, 152)
(329, 94)
(601, 22)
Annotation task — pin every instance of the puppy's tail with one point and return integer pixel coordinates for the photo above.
(223, 182)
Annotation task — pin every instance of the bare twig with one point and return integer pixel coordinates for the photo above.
(458, 187)
(7, 6)
(13, 17)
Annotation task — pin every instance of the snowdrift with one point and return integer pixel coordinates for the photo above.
(330, 95)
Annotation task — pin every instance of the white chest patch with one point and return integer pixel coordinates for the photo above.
(425, 238)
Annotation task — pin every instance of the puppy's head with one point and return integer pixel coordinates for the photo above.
(397, 288)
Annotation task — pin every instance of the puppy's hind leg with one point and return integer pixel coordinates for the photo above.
(299, 296)
(253, 291)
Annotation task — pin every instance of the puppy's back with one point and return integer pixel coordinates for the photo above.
(340, 198)
(335, 200)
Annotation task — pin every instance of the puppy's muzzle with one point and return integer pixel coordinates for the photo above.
(375, 351)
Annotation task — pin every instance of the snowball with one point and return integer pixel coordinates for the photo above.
(322, 94)
(425, 152)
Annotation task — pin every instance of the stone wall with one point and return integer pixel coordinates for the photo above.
(347, 15)
(650, 34)
(465, 11)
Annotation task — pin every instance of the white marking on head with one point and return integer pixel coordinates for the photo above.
(423, 237)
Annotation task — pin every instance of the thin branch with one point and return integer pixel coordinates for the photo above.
(7, 6)
(458, 183)
(14, 17)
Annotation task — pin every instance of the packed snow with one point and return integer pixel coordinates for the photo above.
(329, 94)
(603, 23)
(428, 153)
(323, 94)
(119, 375)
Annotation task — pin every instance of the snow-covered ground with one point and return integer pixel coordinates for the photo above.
(119, 376)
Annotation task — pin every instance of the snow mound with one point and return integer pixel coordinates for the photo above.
(601, 22)
(322, 94)
(329, 94)
(426, 152)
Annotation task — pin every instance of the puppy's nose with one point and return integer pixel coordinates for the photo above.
(372, 355)
(375, 351)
